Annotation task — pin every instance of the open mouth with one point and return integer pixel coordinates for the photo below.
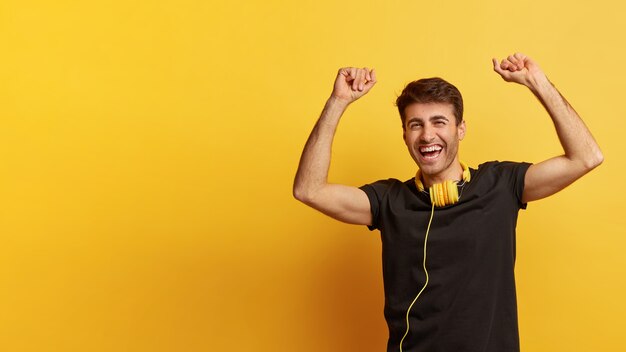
(431, 151)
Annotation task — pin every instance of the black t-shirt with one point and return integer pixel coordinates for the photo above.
(469, 303)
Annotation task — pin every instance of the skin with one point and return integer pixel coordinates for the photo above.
(581, 153)
(350, 204)
(434, 125)
(345, 203)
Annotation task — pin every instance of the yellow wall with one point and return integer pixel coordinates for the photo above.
(147, 151)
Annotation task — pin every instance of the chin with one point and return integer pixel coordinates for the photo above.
(428, 169)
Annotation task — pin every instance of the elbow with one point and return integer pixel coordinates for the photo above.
(302, 194)
(594, 160)
(299, 194)
(307, 194)
(598, 159)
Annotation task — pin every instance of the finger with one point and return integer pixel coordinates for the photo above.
(521, 59)
(360, 80)
(370, 76)
(352, 76)
(496, 66)
(505, 64)
(499, 68)
(502, 69)
(365, 79)
(342, 72)
(355, 78)
(512, 63)
(371, 81)
(373, 75)
(517, 63)
(345, 73)
(511, 66)
(355, 81)
(520, 56)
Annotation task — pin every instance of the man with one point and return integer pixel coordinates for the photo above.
(454, 291)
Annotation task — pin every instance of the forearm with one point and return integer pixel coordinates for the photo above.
(314, 164)
(581, 152)
(578, 144)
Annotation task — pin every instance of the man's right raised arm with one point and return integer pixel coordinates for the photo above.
(345, 203)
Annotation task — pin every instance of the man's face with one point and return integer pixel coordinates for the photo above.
(432, 137)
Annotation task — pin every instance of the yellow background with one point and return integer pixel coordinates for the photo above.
(147, 152)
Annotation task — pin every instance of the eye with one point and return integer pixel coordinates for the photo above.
(439, 123)
(414, 125)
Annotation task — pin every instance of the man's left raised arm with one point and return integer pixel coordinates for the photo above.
(581, 152)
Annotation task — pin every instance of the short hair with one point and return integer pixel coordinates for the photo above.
(430, 90)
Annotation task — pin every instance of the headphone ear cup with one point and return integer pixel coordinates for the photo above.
(454, 192)
(440, 195)
(446, 193)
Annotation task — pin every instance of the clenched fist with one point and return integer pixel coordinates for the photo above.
(352, 83)
(519, 68)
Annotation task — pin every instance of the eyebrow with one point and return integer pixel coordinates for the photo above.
(432, 118)
(438, 117)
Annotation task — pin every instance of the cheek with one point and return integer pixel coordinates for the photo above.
(408, 137)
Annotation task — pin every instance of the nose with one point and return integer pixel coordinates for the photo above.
(427, 135)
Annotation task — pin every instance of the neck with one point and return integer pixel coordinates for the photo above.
(454, 173)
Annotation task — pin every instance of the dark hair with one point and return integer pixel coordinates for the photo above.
(430, 90)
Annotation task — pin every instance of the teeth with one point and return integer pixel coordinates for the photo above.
(430, 149)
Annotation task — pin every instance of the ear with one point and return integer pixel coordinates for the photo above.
(461, 130)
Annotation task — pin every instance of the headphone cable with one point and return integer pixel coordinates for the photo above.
(432, 213)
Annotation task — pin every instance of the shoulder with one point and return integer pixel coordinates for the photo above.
(502, 168)
(391, 198)
(389, 189)
(387, 185)
(501, 177)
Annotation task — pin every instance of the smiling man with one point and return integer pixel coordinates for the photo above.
(432, 119)
(448, 234)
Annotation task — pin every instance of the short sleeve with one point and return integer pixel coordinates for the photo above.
(376, 193)
(514, 174)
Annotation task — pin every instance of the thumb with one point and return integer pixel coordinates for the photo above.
(496, 67)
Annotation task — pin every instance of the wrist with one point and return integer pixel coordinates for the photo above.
(337, 102)
(538, 83)
(333, 110)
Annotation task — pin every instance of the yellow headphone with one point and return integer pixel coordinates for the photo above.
(445, 193)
